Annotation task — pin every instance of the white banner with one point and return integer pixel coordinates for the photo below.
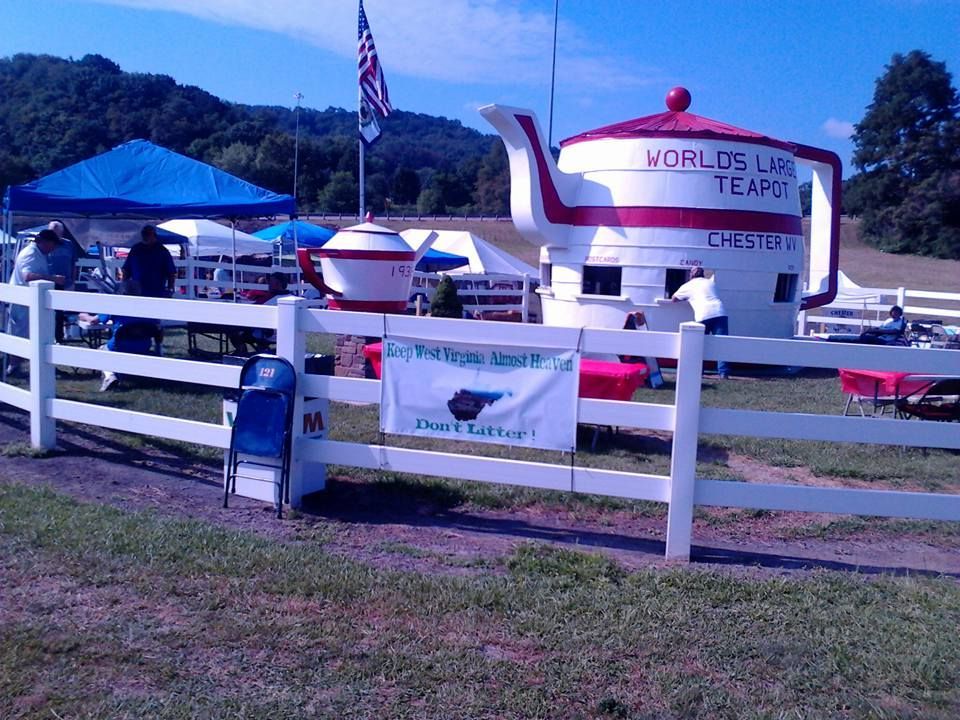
(460, 391)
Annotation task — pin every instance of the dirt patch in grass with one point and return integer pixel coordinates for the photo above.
(395, 527)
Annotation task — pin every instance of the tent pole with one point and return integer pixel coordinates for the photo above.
(233, 229)
(296, 255)
(7, 235)
(7, 226)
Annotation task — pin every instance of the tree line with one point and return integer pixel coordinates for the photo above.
(55, 111)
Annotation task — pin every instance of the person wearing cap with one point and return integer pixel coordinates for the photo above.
(149, 268)
(33, 263)
(63, 261)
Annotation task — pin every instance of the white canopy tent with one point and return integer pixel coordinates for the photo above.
(485, 259)
(211, 238)
(847, 290)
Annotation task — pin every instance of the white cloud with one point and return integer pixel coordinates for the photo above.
(840, 129)
(475, 41)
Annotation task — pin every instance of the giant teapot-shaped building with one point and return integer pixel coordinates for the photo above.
(630, 208)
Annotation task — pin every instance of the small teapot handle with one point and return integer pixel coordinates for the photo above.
(310, 273)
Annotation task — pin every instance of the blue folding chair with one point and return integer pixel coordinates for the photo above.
(264, 421)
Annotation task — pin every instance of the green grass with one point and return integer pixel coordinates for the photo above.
(127, 615)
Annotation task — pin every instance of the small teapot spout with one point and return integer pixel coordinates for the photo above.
(424, 246)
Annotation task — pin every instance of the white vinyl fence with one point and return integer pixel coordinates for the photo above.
(856, 316)
(193, 284)
(480, 293)
(687, 419)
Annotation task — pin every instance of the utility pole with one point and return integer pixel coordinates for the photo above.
(553, 72)
(298, 96)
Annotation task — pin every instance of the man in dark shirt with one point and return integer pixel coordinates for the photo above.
(149, 270)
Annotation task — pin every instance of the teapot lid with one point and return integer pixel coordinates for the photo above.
(676, 122)
(366, 236)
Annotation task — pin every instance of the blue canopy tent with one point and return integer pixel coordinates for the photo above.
(313, 236)
(306, 234)
(143, 181)
(439, 261)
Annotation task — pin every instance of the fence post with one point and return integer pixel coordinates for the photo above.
(43, 379)
(190, 278)
(525, 306)
(291, 345)
(902, 297)
(686, 429)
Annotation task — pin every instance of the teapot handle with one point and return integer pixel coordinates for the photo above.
(311, 274)
(824, 220)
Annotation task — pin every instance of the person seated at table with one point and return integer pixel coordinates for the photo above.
(130, 335)
(261, 338)
(890, 332)
(258, 296)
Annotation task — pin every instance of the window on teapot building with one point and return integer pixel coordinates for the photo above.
(546, 275)
(675, 278)
(601, 280)
(786, 290)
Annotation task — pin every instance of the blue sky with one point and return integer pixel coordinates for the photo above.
(798, 71)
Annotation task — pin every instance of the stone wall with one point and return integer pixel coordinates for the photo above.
(350, 361)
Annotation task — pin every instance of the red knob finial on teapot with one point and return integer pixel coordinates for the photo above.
(678, 99)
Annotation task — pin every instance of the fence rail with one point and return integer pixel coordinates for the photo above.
(470, 286)
(293, 319)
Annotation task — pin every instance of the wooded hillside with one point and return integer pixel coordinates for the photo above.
(54, 112)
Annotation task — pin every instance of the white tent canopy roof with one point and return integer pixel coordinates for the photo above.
(484, 258)
(211, 238)
(848, 291)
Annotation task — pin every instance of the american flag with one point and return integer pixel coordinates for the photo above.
(373, 88)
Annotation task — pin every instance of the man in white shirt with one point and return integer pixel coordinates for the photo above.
(32, 264)
(701, 293)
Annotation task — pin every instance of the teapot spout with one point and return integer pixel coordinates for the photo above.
(424, 246)
(542, 197)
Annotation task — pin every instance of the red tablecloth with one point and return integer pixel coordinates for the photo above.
(598, 379)
(372, 352)
(877, 383)
(610, 380)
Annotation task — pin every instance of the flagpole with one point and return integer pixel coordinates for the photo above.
(362, 198)
(296, 168)
(553, 71)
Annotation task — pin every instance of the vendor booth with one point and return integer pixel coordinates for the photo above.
(144, 182)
